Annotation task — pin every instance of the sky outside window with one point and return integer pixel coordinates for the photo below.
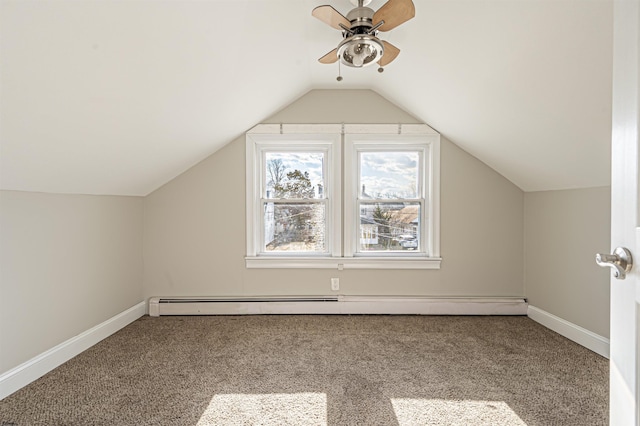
(389, 174)
(305, 162)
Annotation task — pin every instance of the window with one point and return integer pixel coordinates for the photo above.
(306, 208)
(388, 192)
(292, 197)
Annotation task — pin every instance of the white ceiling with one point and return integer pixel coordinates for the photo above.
(119, 97)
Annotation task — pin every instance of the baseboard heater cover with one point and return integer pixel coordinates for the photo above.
(292, 305)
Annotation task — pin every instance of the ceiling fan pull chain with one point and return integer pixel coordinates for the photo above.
(339, 78)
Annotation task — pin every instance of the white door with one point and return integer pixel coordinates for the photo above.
(625, 294)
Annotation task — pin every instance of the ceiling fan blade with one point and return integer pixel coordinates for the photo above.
(331, 17)
(390, 53)
(394, 13)
(330, 57)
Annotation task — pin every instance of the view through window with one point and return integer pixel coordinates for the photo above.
(390, 201)
(294, 202)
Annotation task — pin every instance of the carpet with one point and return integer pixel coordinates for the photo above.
(322, 370)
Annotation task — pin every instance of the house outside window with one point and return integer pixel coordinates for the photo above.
(343, 196)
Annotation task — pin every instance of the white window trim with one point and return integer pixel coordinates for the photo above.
(334, 135)
(429, 147)
(257, 144)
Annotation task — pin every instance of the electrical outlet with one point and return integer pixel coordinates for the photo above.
(335, 284)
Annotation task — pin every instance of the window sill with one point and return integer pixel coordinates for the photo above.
(340, 263)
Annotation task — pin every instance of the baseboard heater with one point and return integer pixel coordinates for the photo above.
(292, 305)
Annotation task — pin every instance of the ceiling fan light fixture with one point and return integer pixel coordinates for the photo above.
(360, 50)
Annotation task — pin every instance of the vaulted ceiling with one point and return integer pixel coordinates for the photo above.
(119, 97)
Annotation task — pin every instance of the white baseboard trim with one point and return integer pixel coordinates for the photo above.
(354, 305)
(582, 336)
(25, 373)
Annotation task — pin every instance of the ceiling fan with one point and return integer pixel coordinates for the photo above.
(361, 46)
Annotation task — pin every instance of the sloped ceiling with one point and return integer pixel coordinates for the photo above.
(119, 97)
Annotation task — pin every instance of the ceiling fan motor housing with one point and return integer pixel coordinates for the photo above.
(361, 19)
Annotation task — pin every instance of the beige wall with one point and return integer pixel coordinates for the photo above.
(194, 226)
(563, 232)
(341, 106)
(67, 263)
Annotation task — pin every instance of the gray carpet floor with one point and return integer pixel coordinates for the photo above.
(318, 370)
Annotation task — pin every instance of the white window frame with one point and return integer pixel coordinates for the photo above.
(258, 144)
(337, 140)
(428, 232)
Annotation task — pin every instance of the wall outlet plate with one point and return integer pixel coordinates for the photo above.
(335, 284)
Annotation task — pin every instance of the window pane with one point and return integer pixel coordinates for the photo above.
(389, 227)
(294, 227)
(294, 175)
(385, 175)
